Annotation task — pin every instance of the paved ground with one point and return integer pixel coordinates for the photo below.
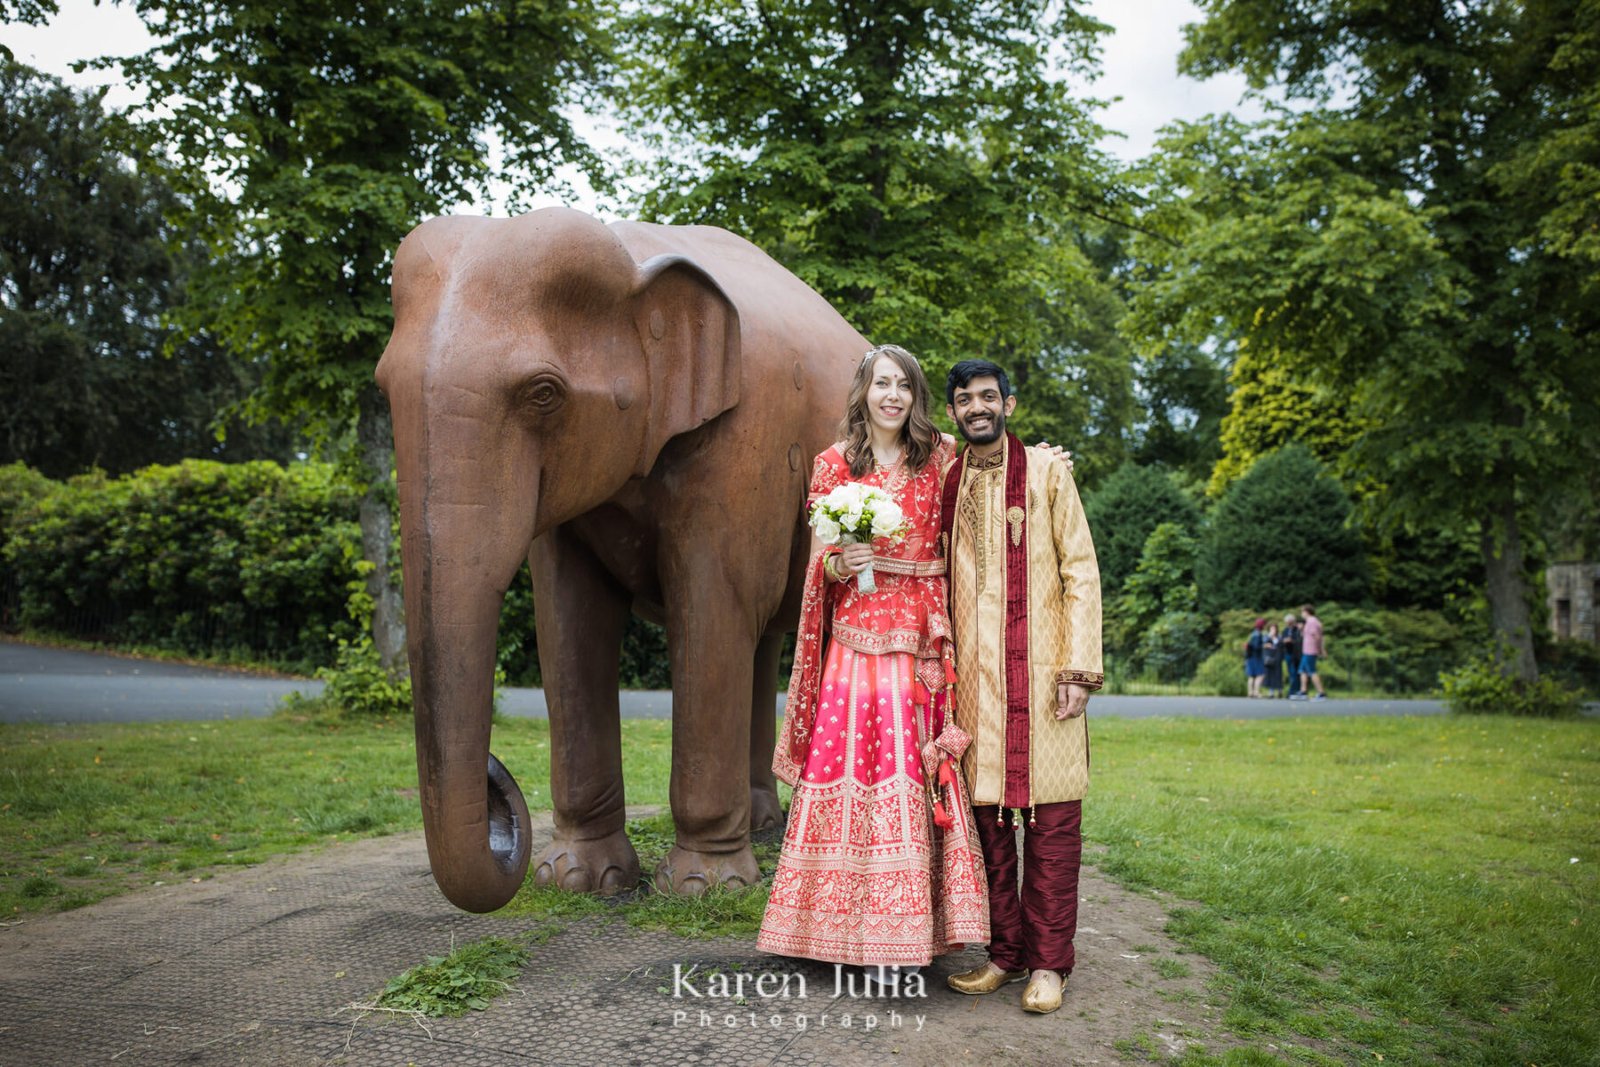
(263, 967)
(52, 685)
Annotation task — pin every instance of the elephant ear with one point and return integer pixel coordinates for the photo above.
(690, 332)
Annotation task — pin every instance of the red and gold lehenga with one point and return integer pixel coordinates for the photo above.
(865, 876)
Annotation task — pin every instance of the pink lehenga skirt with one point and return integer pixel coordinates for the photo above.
(865, 875)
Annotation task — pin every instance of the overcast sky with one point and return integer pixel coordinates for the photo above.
(1139, 64)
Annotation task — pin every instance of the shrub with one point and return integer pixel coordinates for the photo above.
(1221, 673)
(1576, 664)
(1125, 511)
(1162, 584)
(1173, 647)
(359, 685)
(1481, 687)
(1280, 534)
(201, 557)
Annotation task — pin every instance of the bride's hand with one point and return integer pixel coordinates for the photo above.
(853, 559)
(1056, 452)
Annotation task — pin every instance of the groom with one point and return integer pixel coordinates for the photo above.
(1025, 603)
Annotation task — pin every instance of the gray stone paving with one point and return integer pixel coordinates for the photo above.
(260, 966)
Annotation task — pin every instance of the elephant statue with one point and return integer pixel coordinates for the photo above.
(634, 409)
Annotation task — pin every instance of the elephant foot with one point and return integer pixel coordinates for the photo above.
(765, 811)
(689, 873)
(603, 865)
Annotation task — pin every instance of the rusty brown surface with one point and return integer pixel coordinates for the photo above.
(634, 409)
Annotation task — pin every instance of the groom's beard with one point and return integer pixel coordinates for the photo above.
(988, 435)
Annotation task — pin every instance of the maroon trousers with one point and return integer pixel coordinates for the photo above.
(1034, 932)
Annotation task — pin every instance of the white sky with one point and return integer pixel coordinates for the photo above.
(1139, 66)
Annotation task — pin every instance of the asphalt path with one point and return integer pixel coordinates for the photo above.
(49, 685)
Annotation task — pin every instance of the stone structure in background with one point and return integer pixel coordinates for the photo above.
(1573, 590)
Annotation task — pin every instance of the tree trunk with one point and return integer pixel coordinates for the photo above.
(375, 454)
(1507, 590)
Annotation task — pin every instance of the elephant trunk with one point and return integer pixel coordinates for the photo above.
(474, 814)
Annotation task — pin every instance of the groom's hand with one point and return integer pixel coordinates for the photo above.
(1072, 700)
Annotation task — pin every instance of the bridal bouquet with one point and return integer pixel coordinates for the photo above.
(856, 514)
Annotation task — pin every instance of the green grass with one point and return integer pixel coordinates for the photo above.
(1395, 887)
(89, 811)
(720, 913)
(465, 980)
(1372, 887)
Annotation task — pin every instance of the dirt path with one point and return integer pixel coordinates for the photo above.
(259, 967)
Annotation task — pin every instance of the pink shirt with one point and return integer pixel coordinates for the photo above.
(1312, 645)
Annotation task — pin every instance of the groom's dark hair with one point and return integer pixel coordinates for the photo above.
(962, 373)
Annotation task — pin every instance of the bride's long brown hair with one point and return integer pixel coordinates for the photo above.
(919, 435)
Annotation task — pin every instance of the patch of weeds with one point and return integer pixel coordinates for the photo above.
(1139, 1046)
(719, 913)
(465, 980)
(39, 887)
(1170, 968)
(548, 902)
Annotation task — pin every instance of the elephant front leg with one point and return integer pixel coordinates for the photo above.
(580, 613)
(765, 811)
(712, 643)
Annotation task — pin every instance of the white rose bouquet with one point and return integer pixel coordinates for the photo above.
(856, 514)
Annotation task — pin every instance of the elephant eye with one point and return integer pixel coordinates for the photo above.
(542, 394)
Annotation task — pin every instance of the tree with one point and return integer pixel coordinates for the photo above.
(308, 137)
(26, 12)
(1154, 617)
(1124, 512)
(1420, 234)
(88, 264)
(922, 164)
(1281, 534)
(1270, 405)
(1184, 392)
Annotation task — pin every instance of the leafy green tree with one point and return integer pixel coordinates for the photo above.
(87, 267)
(26, 12)
(307, 139)
(922, 164)
(1125, 511)
(1421, 234)
(1154, 617)
(1281, 534)
(1271, 404)
(1183, 390)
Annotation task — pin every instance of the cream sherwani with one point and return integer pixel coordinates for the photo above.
(1062, 626)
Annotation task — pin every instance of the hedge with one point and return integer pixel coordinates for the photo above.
(247, 561)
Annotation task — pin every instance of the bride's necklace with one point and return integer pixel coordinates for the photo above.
(887, 464)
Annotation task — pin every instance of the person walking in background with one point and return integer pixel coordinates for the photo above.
(1272, 657)
(1255, 667)
(1289, 641)
(1311, 649)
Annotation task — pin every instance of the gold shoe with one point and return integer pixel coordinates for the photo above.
(1043, 995)
(985, 979)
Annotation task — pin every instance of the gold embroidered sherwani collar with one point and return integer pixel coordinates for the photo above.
(986, 463)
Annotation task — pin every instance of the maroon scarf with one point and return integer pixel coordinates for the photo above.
(1018, 710)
